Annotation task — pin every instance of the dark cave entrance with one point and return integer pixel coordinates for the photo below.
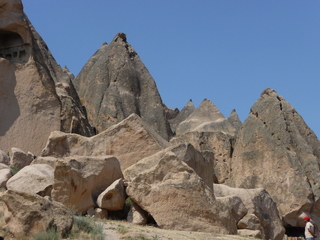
(13, 48)
(295, 231)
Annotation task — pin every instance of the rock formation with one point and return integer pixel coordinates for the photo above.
(27, 214)
(177, 198)
(206, 118)
(129, 140)
(277, 151)
(183, 115)
(114, 83)
(29, 77)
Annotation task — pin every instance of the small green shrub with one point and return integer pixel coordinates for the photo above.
(86, 226)
(122, 229)
(14, 170)
(50, 234)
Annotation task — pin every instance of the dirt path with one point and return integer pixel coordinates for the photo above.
(121, 230)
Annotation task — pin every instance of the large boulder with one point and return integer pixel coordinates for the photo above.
(28, 94)
(19, 158)
(177, 198)
(216, 147)
(113, 198)
(27, 214)
(33, 179)
(115, 83)
(5, 175)
(79, 180)
(276, 150)
(260, 206)
(130, 140)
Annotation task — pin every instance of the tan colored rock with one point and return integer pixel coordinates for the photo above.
(27, 214)
(19, 158)
(277, 151)
(177, 198)
(137, 215)
(3, 166)
(250, 233)
(101, 213)
(238, 209)
(33, 179)
(79, 180)
(4, 158)
(113, 197)
(206, 118)
(5, 175)
(214, 146)
(28, 95)
(44, 160)
(250, 221)
(183, 115)
(259, 203)
(129, 140)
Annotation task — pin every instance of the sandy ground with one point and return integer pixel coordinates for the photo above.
(121, 230)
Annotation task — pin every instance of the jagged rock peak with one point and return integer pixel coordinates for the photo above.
(183, 115)
(235, 120)
(120, 36)
(115, 83)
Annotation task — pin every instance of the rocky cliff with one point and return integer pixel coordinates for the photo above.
(114, 83)
(37, 96)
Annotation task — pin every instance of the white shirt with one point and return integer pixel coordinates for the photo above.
(309, 225)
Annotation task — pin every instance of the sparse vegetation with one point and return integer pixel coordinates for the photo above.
(122, 229)
(86, 228)
(141, 237)
(50, 234)
(14, 170)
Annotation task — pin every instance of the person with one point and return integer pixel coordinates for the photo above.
(309, 229)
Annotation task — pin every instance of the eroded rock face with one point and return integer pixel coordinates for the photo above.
(114, 83)
(113, 197)
(28, 78)
(129, 140)
(177, 198)
(183, 115)
(27, 214)
(260, 204)
(33, 179)
(78, 180)
(276, 150)
(206, 118)
(19, 158)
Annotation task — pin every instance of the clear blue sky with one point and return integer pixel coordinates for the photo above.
(225, 51)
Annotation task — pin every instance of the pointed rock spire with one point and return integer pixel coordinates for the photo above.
(183, 115)
(206, 118)
(276, 150)
(114, 83)
(235, 120)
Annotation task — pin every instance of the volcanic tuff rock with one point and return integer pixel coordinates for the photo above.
(114, 83)
(129, 140)
(276, 150)
(235, 120)
(177, 198)
(183, 115)
(28, 79)
(206, 118)
(78, 181)
(29, 214)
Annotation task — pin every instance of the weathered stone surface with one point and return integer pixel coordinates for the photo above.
(187, 153)
(4, 158)
(19, 158)
(235, 120)
(238, 209)
(29, 214)
(113, 197)
(5, 175)
(206, 118)
(137, 215)
(129, 140)
(114, 83)
(214, 146)
(259, 203)
(276, 150)
(28, 97)
(101, 213)
(250, 233)
(44, 160)
(33, 179)
(183, 115)
(79, 180)
(177, 198)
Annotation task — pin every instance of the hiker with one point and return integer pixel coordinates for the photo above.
(309, 229)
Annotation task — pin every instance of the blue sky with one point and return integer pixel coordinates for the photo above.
(227, 51)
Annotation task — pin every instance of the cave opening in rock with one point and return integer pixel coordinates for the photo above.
(295, 231)
(12, 47)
